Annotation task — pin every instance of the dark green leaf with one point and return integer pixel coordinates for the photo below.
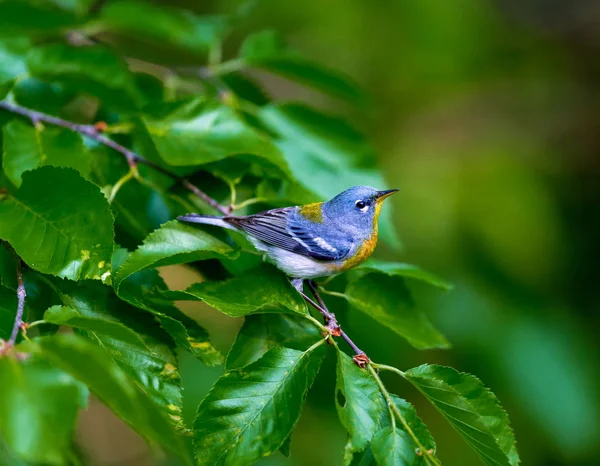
(260, 290)
(173, 243)
(359, 403)
(44, 97)
(326, 156)
(401, 269)
(246, 88)
(196, 132)
(163, 24)
(27, 147)
(59, 223)
(94, 70)
(266, 50)
(472, 409)
(394, 447)
(387, 300)
(93, 366)
(8, 310)
(25, 17)
(262, 332)
(38, 409)
(8, 269)
(250, 412)
(146, 290)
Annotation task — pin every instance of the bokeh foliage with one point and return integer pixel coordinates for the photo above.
(467, 107)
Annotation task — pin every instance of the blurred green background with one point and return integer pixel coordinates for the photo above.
(486, 113)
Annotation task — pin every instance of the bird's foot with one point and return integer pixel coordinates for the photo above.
(361, 360)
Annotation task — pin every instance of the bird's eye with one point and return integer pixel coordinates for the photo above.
(361, 205)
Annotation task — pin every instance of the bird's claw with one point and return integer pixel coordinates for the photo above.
(361, 360)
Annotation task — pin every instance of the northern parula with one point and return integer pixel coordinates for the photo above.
(313, 240)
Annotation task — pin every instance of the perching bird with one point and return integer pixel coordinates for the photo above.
(312, 240)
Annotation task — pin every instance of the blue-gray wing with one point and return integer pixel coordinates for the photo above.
(282, 228)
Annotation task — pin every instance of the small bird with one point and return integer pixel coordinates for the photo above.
(313, 240)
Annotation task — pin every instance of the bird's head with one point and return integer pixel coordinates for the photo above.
(358, 206)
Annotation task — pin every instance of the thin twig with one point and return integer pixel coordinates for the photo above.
(21, 294)
(133, 158)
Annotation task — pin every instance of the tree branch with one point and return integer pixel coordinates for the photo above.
(133, 158)
(21, 295)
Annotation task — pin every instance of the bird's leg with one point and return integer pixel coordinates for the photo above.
(360, 358)
(332, 326)
(330, 320)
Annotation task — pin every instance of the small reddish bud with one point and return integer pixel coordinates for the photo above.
(100, 126)
(361, 360)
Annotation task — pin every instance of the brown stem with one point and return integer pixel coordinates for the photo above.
(133, 158)
(21, 294)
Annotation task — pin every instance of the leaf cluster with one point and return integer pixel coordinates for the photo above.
(92, 227)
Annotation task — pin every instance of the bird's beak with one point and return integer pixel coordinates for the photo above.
(381, 195)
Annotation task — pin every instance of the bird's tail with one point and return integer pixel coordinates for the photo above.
(206, 220)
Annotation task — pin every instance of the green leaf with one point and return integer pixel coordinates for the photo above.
(400, 269)
(39, 95)
(326, 156)
(94, 70)
(266, 50)
(250, 412)
(93, 366)
(24, 17)
(61, 315)
(146, 290)
(472, 409)
(27, 147)
(394, 447)
(173, 243)
(8, 310)
(359, 402)
(8, 269)
(263, 332)
(131, 336)
(246, 88)
(260, 290)
(12, 56)
(387, 300)
(198, 131)
(163, 24)
(59, 224)
(38, 410)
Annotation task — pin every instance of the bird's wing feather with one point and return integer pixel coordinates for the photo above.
(279, 227)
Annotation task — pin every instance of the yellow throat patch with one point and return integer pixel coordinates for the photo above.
(365, 250)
